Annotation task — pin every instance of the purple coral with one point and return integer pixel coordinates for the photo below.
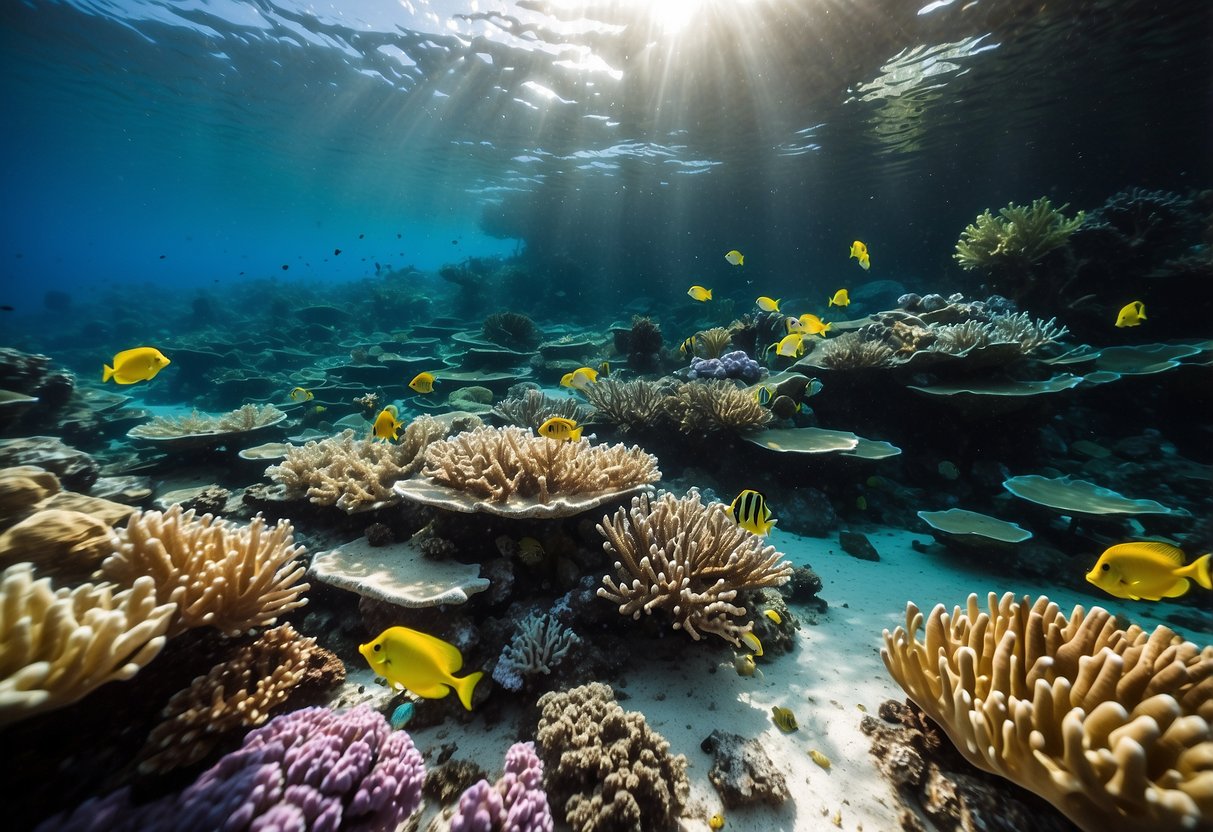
(517, 803)
(734, 364)
(312, 769)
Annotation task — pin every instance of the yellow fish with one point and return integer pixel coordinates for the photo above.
(1148, 571)
(841, 298)
(749, 510)
(420, 663)
(774, 616)
(423, 383)
(687, 348)
(813, 325)
(559, 428)
(784, 719)
(794, 325)
(791, 346)
(735, 258)
(580, 378)
(318, 409)
(819, 758)
(386, 426)
(1132, 314)
(751, 641)
(130, 366)
(298, 394)
(767, 304)
(744, 664)
(699, 293)
(860, 252)
(530, 551)
(716, 821)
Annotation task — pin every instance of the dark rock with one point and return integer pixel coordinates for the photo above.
(742, 771)
(807, 511)
(445, 782)
(76, 470)
(803, 585)
(857, 545)
(379, 534)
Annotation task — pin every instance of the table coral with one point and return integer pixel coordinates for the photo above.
(609, 770)
(689, 560)
(1112, 726)
(58, 646)
(219, 575)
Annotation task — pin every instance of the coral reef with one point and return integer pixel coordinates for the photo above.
(641, 344)
(540, 643)
(58, 646)
(705, 407)
(355, 474)
(516, 803)
(734, 364)
(609, 770)
(75, 469)
(242, 420)
(496, 464)
(237, 694)
(711, 343)
(1017, 237)
(219, 575)
(850, 351)
(535, 408)
(689, 560)
(1111, 726)
(62, 544)
(629, 405)
(511, 329)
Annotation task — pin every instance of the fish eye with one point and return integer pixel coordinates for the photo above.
(1106, 567)
(378, 647)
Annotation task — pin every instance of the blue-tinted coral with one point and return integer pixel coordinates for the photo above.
(734, 364)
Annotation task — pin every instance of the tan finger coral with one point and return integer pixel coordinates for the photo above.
(237, 694)
(717, 406)
(689, 560)
(1111, 726)
(355, 474)
(57, 646)
(220, 575)
(629, 405)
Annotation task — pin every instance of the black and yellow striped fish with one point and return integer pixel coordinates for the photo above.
(749, 510)
(687, 348)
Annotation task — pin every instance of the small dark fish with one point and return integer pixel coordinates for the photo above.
(242, 272)
(162, 256)
(377, 268)
(360, 236)
(397, 236)
(285, 267)
(6, 308)
(454, 242)
(336, 251)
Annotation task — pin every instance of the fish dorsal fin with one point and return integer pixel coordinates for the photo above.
(447, 654)
(1166, 551)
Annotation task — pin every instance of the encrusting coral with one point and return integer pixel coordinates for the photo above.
(605, 766)
(219, 575)
(1113, 727)
(703, 407)
(1017, 237)
(236, 694)
(355, 474)
(58, 646)
(689, 560)
(629, 405)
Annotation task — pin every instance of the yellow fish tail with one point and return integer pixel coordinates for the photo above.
(107, 372)
(575, 435)
(1199, 571)
(466, 686)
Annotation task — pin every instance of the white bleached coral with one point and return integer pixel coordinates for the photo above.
(539, 644)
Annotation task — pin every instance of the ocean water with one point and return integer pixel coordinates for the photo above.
(333, 198)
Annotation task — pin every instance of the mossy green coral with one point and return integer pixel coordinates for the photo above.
(1018, 236)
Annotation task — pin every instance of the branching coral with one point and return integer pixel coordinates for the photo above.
(236, 694)
(1022, 330)
(702, 407)
(249, 417)
(850, 352)
(539, 644)
(629, 405)
(219, 575)
(606, 766)
(56, 647)
(498, 463)
(355, 474)
(689, 560)
(536, 407)
(1018, 236)
(1113, 727)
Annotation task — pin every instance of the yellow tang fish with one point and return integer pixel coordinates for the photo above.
(784, 719)
(774, 616)
(767, 304)
(1149, 571)
(386, 426)
(813, 325)
(735, 258)
(298, 394)
(791, 346)
(840, 298)
(580, 378)
(716, 821)
(423, 383)
(860, 252)
(139, 364)
(699, 293)
(749, 510)
(1131, 314)
(420, 663)
(564, 430)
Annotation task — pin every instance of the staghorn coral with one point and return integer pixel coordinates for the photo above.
(1018, 237)
(235, 695)
(629, 405)
(498, 463)
(540, 643)
(1111, 726)
(355, 474)
(536, 407)
(851, 352)
(223, 576)
(687, 559)
(717, 406)
(58, 646)
(1028, 334)
(249, 417)
(609, 770)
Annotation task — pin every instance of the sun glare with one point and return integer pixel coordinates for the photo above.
(674, 15)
